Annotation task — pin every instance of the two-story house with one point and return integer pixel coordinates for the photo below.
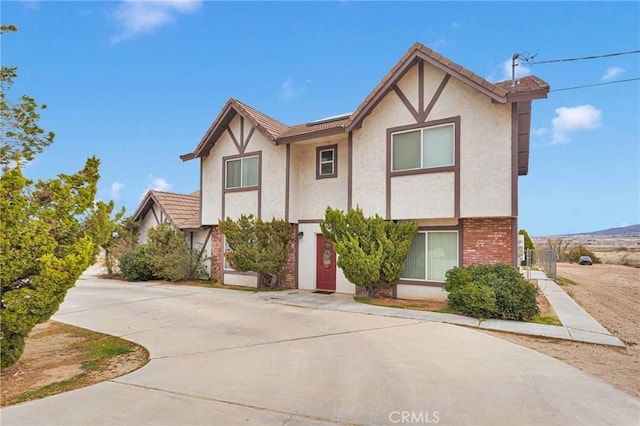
(433, 143)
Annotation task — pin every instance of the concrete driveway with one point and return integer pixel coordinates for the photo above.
(231, 358)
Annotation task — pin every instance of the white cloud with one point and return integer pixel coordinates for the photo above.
(116, 187)
(156, 184)
(289, 89)
(611, 73)
(136, 17)
(159, 184)
(540, 131)
(521, 69)
(503, 71)
(572, 119)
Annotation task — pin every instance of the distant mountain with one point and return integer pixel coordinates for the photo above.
(625, 230)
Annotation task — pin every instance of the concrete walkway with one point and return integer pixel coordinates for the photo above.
(224, 357)
(577, 324)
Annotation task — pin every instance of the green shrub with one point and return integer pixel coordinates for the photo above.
(135, 264)
(258, 246)
(475, 300)
(171, 259)
(178, 265)
(491, 291)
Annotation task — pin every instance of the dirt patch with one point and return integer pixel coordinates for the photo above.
(59, 357)
(420, 305)
(544, 306)
(611, 294)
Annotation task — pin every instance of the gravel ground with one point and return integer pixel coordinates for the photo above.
(611, 294)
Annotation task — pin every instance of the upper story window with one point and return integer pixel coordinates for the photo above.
(423, 148)
(326, 161)
(241, 172)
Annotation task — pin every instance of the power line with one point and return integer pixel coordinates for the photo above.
(595, 84)
(583, 58)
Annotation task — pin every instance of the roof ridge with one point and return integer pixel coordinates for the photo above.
(280, 133)
(252, 112)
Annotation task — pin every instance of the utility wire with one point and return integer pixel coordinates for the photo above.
(595, 84)
(584, 58)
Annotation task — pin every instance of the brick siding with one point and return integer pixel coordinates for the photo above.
(487, 240)
(290, 270)
(380, 292)
(216, 253)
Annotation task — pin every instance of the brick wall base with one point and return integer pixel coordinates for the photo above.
(217, 253)
(380, 292)
(487, 240)
(290, 270)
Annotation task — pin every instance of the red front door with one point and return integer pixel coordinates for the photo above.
(325, 264)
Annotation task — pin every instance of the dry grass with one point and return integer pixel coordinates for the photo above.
(59, 358)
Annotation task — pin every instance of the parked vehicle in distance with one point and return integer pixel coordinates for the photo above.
(585, 260)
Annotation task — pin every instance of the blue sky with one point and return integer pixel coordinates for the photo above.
(138, 84)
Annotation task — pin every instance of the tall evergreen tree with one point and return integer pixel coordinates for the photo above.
(43, 248)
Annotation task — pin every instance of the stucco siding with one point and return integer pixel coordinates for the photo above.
(271, 194)
(239, 203)
(148, 221)
(369, 154)
(432, 79)
(310, 196)
(245, 280)
(485, 149)
(211, 191)
(307, 261)
(420, 292)
(273, 176)
(201, 242)
(426, 195)
(409, 87)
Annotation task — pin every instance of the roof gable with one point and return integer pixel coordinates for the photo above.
(270, 127)
(499, 92)
(182, 211)
(525, 89)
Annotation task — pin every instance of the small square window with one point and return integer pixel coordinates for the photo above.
(326, 161)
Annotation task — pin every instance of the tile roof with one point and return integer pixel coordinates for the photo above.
(300, 130)
(527, 88)
(183, 211)
(499, 92)
(271, 126)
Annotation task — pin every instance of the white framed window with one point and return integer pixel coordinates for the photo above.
(326, 161)
(423, 148)
(241, 172)
(431, 255)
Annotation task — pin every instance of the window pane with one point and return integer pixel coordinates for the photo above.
(233, 173)
(406, 151)
(250, 171)
(438, 146)
(326, 169)
(414, 264)
(442, 254)
(326, 155)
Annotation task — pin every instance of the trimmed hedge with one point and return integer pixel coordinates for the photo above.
(491, 291)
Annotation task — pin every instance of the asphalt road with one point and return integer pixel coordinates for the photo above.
(221, 357)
